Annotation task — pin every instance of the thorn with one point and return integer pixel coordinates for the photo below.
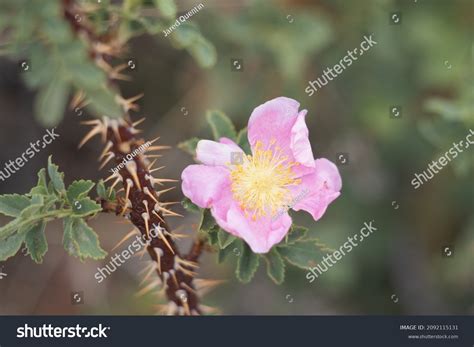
(159, 217)
(167, 212)
(107, 147)
(159, 253)
(125, 238)
(151, 165)
(132, 169)
(189, 288)
(146, 218)
(111, 155)
(150, 269)
(154, 140)
(119, 179)
(138, 122)
(157, 148)
(164, 191)
(205, 286)
(148, 288)
(173, 275)
(163, 237)
(94, 131)
(186, 262)
(128, 104)
(110, 177)
(147, 192)
(158, 168)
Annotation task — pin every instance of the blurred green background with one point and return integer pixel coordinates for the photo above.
(424, 64)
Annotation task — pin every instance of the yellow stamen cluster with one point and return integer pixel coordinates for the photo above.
(261, 182)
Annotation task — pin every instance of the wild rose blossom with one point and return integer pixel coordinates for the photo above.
(249, 199)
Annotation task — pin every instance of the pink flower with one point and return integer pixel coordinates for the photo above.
(250, 199)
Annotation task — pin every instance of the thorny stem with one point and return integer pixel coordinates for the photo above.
(176, 273)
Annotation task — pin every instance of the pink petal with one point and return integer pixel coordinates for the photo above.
(318, 189)
(300, 145)
(261, 235)
(279, 120)
(216, 153)
(204, 185)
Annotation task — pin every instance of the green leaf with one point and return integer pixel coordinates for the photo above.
(224, 238)
(247, 264)
(36, 243)
(51, 100)
(85, 207)
(223, 253)
(80, 240)
(207, 221)
(275, 266)
(9, 228)
(296, 233)
(167, 8)
(243, 141)
(103, 102)
(188, 205)
(212, 235)
(11, 245)
(78, 190)
(203, 51)
(303, 254)
(69, 239)
(12, 204)
(101, 190)
(189, 146)
(30, 211)
(57, 178)
(221, 125)
(42, 186)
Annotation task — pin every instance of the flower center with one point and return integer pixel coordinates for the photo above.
(261, 182)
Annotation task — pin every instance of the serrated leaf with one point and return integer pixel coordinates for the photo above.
(247, 264)
(12, 204)
(42, 186)
(189, 146)
(101, 190)
(69, 240)
(188, 205)
(9, 228)
(10, 246)
(85, 207)
(30, 211)
(57, 178)
(243, 141)
(51, 100)
(296, 233)
(224, 238)
(167, 8)
(275, 266)
(80, 240)
(36, 243)
(78, 190)
(207, 221)
(223, 253)
(303, 254)
(221, 125)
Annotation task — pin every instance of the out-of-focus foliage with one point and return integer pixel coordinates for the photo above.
(59, 59)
